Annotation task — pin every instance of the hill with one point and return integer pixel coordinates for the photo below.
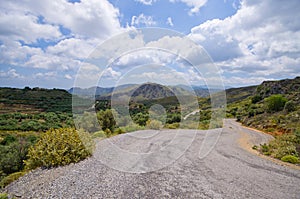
(150, 90)
(33, 100)
(273, 107)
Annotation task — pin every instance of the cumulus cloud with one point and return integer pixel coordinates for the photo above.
(11, 74)
(142, 20)
(53, 35)
(195, 4)
(261, 39)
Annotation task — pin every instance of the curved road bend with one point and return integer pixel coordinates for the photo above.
(229, 171)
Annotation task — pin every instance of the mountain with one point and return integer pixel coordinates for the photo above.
(149, 90)
(238, 94)
(152, 91)
(90, 91)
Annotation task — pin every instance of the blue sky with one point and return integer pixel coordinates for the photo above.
(47, 43)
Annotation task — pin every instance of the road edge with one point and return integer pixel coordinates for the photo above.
(245, 143)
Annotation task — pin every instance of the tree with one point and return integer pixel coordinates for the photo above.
(106, 120)
(275, 103)
(141, 119)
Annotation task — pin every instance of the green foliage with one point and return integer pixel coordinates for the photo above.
(99, 134)
(36, 99)
(290, 158)
(88, 122)
(256, 98)
(141, 119)
(297, 136)
(58, 147)
(132, 127)
(172, 126)
(13, 150)
(3, 196)
(10, 178)
(275, 103)
(35, 121)
(281, 146)
(106, 120)
(8, 139)
(290, 106)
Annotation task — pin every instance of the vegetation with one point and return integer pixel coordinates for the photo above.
(37, 125)
(34, 100)
(273, 107)
(275, 103)
(58, 147)
(13, 151)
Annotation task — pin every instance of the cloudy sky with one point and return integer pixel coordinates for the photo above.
(45, 43)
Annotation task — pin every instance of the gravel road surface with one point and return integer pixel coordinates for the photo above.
(228, 171)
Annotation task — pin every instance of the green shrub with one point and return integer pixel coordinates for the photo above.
(173, 126)
(297, 136)
(3, 196)
(275, 103)
(265, 149)
(12, 156)
(106, 120)
(290, 158)
(119, 131)
(10, 178)
(140, 119)
(99, 134)
(290, 106)
(59, 147)
(132, 127)
(256, 98)
(283, 145)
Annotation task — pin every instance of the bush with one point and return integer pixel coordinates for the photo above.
(173, 126)
(106, 120)
(290, 158)
(283, 145)
(256, 98)
(58, 147)
(132, 127)
(99, 134)
(290, 106)
(12, 156)
(10, 178)
(154, 124)
(275, 103)
(3, 196)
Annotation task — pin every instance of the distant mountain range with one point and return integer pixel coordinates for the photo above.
(143, 91)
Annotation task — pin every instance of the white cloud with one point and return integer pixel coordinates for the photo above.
(67, 76)
(18, 26)
(73, 47)
(109, 73)
(142, 20)
(11, 74)
(262, 39)
(68, 33)
(170, 22)
(45, 75)
(195, 4)
(146, 2)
